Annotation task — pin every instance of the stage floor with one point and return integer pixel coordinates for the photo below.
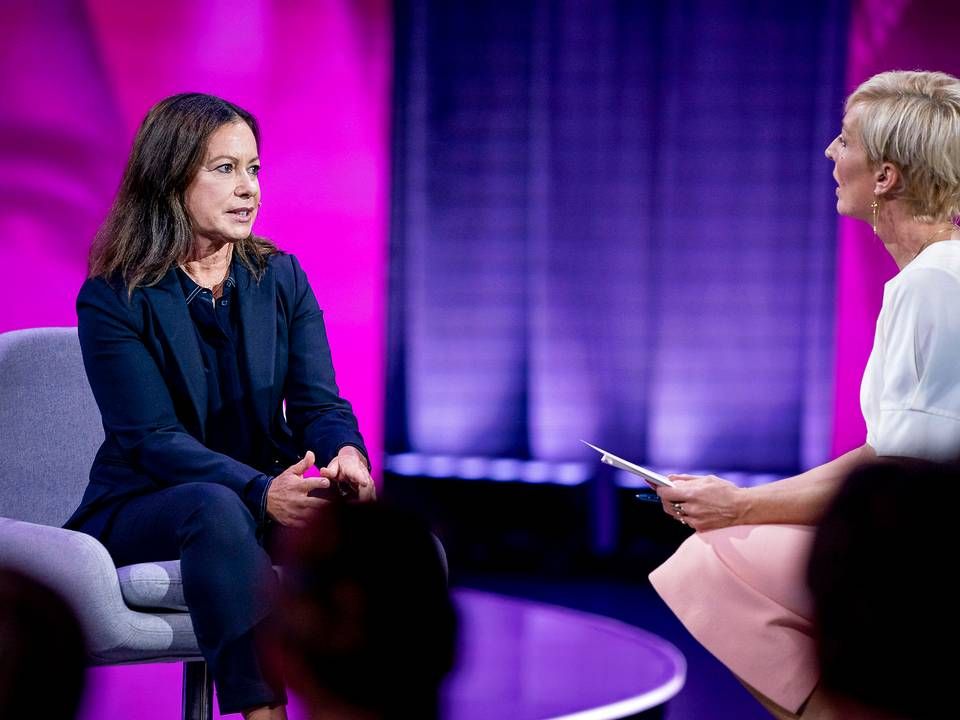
(526, 660)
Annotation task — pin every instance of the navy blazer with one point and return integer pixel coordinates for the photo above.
(144, 365)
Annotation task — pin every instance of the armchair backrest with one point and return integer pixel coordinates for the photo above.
(50, 426)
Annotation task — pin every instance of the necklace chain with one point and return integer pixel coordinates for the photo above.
(213, 288)
(929, 240)
(197, 281)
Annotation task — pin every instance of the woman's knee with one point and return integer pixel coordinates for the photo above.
(219, 515)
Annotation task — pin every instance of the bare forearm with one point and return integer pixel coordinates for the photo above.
(801, 499)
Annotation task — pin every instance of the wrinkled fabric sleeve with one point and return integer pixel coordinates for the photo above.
(920, 398)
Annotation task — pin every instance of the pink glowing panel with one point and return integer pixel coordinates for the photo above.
(884, 35)
(77, 79)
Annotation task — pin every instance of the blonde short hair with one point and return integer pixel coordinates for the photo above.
(912, 119)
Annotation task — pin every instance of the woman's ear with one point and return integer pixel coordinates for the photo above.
(886, 178)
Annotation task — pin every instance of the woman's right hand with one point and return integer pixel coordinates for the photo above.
(703, 502)
(288, 498)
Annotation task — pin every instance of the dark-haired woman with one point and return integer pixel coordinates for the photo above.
(194, 333)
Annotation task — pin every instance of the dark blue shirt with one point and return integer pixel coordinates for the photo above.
(230, 427)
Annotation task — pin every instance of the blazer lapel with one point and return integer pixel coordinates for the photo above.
(258, 319)
(174, 319)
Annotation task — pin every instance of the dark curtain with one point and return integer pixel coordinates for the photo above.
(614, 221)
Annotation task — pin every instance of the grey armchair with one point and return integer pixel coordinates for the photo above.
(49, 432)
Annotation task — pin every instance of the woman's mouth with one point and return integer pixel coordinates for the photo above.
(241, 214)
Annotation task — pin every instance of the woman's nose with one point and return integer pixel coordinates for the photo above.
(828, 151)
(246, 185)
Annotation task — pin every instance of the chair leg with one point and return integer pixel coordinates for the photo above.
(197, 691)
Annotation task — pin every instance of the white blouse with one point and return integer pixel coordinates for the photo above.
(910, 395)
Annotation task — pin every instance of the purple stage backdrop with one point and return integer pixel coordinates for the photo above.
(77, 78)
(607, 230)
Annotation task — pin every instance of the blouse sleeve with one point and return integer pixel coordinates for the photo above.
(920, 398)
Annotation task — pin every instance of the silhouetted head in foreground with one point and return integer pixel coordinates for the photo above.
(42, 651)
(881, 573)
(365, 626)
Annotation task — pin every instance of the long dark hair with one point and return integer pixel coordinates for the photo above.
(148, 231)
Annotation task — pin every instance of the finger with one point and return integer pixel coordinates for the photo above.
(314, 483)
(682, 477)
(675, 509)
(304, 516)
(304, 464)
(332, 470)
(671, 495)
(312, 503)
(355, 475)
(291, 520)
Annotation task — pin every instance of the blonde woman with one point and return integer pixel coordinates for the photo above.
(738, 583)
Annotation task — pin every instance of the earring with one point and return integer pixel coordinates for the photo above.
(875, 206)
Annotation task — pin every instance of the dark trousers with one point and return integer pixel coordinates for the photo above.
(228, 580)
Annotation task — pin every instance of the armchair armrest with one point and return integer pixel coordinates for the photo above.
(79, 567)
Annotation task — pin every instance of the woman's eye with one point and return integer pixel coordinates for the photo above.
(843, 141)
(254, 170)
(225, 168)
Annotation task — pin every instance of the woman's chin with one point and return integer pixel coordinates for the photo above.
(844, 210)
(238, 234)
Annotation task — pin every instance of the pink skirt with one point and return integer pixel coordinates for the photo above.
(742, 592)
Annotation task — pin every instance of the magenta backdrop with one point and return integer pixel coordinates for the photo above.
(884, 35)
(77, 78)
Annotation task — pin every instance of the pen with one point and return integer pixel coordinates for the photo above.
(650, 497)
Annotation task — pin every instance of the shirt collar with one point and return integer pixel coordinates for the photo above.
(191, 289)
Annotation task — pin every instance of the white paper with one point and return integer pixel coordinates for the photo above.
(650, 476)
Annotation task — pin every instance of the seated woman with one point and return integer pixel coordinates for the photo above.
(738, 583)
(208, 359)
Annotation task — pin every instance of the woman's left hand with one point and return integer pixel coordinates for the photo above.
(704, 502)
(350, 467)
